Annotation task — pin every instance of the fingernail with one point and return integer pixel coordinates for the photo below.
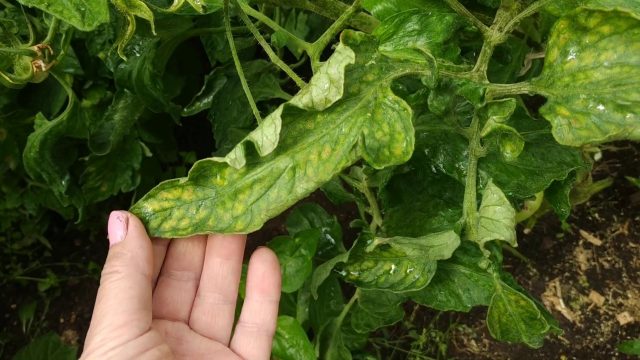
(117, 228)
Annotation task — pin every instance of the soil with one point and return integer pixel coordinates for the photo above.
(585, 272)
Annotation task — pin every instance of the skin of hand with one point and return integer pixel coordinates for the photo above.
(161, 299)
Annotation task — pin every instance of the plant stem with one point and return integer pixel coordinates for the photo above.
(470, 202)
(53, 29)
(274, 26)
(532, 9)
(374, 209)
(331, 9)
(464, 12)
(325, 39)
(495, 91)
(238, 65)
(272, 55)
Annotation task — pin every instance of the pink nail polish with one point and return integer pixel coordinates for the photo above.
(117, 228)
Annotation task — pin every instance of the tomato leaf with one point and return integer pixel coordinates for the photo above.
(497, 218)
(85, 16)
(375, 309)
(398, 264)
(295, 254)
(313, 147)
(590, 78)
(290, 341)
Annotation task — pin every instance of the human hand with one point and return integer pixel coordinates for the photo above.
(166, 299)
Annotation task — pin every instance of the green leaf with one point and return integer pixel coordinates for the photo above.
(327, 305)
(116, 172)
(333, 341)
(85, 16)
(375, 309)
(460, 283)
(295, 254)
(290, 341)
(634, 181)
(313, 147)
(496, 217)
(630, 347)
(322, 272)
(313, 216)
(590, 78)
(230, 114)
(423, 25)
(116, 122)
(201, 7)
(131, 9)
(398, 264)
(47, 347)
(513, 317)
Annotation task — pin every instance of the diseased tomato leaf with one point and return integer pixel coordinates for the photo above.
(591, 76)
(398, 264)
(313, 147)
(496, 217)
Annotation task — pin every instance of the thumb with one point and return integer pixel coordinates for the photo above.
(123, 306)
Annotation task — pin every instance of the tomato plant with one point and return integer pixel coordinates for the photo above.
(446, 122)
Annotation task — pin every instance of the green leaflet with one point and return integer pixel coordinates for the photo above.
(290, 341)
(84, 15)
(468, 279)
(422, 25)
(295, 254)
(541, 161)
(398, 264)
(131, 9)
(591, 76)
(49, 347)
(496, 217)
(327, 305)
(631, 347)
(322, 272)
(375, 309)
(50, 151)
(513, 317)
(325, 88)
(460, 282)
(200, 6)
(116, 123)
(313, 216)
(313, 147)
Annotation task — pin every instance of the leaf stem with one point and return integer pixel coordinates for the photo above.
(53, 29)
(470, 202)
(495, 91)
(464, 12)
(331, 9)
(532, 9)
(325, 39)
(274, 25)
(374, 209)
(265, 46)
(238, 65)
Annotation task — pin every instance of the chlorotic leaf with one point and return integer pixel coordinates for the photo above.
(375, 309)
(591, 77)
(290, 341)
(313, 147)
(84, 15)
(496, 217)
(295, 254)
(327, 84)
(398, 264)
(564, 7)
